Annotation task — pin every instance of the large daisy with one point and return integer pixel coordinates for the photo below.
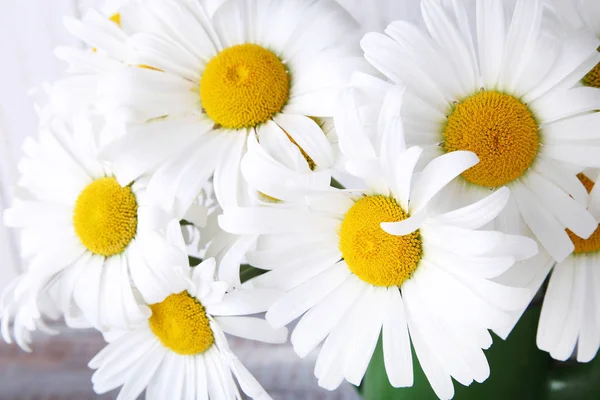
(511, 97)
(181, 351)
(386, 260)
(85, 235)
(213, 77)
(571, 311)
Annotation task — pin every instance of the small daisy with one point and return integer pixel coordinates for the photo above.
(571, 311)
(513, 99)
(214, 77)
(386, 260)
(181, 352)
(83, 232)
(107, 51)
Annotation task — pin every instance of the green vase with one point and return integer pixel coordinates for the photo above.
(574, 381)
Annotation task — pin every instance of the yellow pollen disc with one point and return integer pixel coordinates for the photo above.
(372, 254)
(105, 217)
(592, 244)
(593, 77)
(116, 18)
(244, 86)
(181, 325)
(501, 130)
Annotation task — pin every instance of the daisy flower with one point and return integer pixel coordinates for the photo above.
(216, 76)
(571, 310)
(83, 232)
(511, 96)
(106, 51)
(181, 351)
(385, 260)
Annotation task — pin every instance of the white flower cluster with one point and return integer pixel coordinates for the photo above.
(185, 180)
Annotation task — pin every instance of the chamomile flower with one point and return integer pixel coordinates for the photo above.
(181, 351)
(106, 51)
(386, 260)
(86, 235)
(571, 311)
(216, 77)
(512, 98)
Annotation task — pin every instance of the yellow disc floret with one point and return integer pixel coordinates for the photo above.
(116, 18)
(501, 130)
(592, 244)
(105, 217)
(244, 86)
(593, 77)
(372, 254)
(181, 324)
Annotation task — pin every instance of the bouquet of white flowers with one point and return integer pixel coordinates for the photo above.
(400, 177)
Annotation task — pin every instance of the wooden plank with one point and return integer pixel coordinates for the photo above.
(57, 369)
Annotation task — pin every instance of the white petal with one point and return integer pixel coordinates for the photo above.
(365, 335)
(403, 174)
(586, 156)
(569, 212)
(144, 372)
(556, 306)
(565, 103)
(572, 325)
(397, 354)
(244, 302)
(440, 380)
(406, 226)
(252, 328)
(561, 177)
(309, 136)
(490, 38)
(478, 214)
(228, 178)
(437, 174)
(320, 320)
(255, 221)
(545, 227)
(300, 299)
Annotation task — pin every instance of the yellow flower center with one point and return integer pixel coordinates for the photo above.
(181, 325)
(593, 77)
(372, 254)
(105, 217)
(116, 18)
(244, 86)
(501, 130)
(592, 244)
